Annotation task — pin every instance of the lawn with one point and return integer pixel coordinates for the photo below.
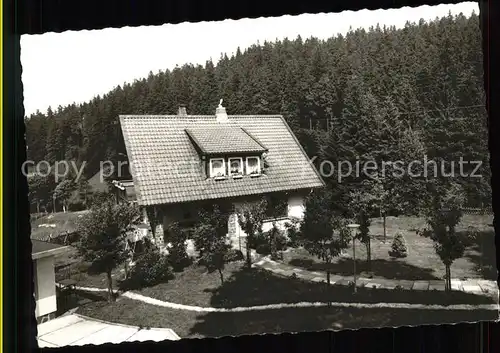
(243, 288)
(422, 263)
(54, 224)
(188, 324)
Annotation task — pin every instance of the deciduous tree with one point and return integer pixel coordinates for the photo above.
(443, 213)
(103, 234)
(324, 233)
(210, 237)
(250, 218)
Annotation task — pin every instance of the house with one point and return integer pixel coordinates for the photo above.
(43, 254)
(182, 162)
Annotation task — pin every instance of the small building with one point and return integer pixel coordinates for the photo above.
(43, 254)
(179, 163)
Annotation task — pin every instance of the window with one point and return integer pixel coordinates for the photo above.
(235, 166)
(253, 165)
(217, 167)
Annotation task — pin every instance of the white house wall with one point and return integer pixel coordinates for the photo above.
(45, 286)
(296, 207)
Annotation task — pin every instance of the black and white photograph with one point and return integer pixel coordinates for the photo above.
(278, 174)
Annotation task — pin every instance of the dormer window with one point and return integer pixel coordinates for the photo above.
(253, 166)
(217, 168)
(236, 167)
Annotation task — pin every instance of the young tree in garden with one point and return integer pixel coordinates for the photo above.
(175, 238)
(381, 197)
(250, 218)
(409, 188)
(210, 238)
(362, 205)
(103, 235)
(63, 192)
(443, 213)
(154, 218)
(324, 233)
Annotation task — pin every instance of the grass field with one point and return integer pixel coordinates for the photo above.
(422, 263)
(188, 324)
(244, 288)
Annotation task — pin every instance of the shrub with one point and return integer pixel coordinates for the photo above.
(398, 247)
(293, 234)
(151, 268)
(98, 198)
(177, 253)
(76, 205)
(263, 248)
(260, 244)
(234, 255)
(263, 243)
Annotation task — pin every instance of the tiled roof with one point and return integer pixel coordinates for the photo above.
(166, 167)
(222, 139)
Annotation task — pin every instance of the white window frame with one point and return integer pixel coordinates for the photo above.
(212, 174)
(258, 166)
(241, 164)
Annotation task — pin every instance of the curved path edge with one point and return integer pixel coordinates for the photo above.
(161, 303)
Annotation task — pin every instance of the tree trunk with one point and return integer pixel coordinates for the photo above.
(221, 275)
(249, 258)
(448, 278)
(328, 301)
(385, 230)
(125, 267)
(110, 286)
(368, 245)
(38, 207)
(153, 229)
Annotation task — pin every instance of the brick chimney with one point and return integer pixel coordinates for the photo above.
(220, 113)
(182, 110)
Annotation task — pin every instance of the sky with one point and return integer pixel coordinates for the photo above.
(75, 66)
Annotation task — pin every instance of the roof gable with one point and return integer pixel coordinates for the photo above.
(167, 168)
